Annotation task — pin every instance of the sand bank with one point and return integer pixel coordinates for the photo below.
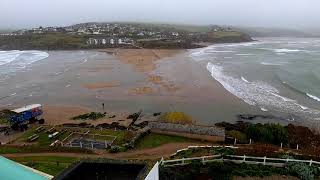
(101, 85)
(143, 60)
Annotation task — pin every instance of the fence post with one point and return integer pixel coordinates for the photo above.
(235, 141)
(203, 160)
(297, 146)
(281, 145)
(287, 159)
(264, 160)
(310, 162)
(250, 141)
(80, 144)
(244, 158)
(105, 144)
(91, 145)
(182, 160)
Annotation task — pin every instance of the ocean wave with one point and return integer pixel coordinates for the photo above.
(258, 93)
(244, 79)
(283, 98)
(264, 109)
(271, 64)
(244, 54)
(313, 97)
(284, 50)
(11, 61)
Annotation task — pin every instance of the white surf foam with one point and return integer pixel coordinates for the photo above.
(271, 64)
(302, 107)
(16, 60)
(313, 97)
(244, 79)
(244, 54)
(257, 93)
(264, 109)
(284, 50)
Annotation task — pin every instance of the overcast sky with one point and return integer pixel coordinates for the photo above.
(296, 14)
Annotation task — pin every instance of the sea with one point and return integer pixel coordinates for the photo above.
(15, 60)
(273, 74)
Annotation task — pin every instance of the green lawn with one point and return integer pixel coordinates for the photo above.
(9, 150)
(3, 121)
(155, 140)
(121, 135)
(48, 164)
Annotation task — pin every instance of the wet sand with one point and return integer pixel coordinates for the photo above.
(70, 83)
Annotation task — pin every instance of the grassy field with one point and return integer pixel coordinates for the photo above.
(122, 136)
(48, 164)
(3, 121)
(154, 140)
(221, 34)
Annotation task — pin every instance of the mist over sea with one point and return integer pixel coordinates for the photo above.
(273, 74)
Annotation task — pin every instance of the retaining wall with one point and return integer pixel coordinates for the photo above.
(192, 129)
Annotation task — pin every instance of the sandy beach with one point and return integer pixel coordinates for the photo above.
(70, 83)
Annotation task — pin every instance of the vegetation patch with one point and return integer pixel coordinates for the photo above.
(154, 140)
(207, 151)
(49, 164)
(89, 116)
(226, 170)
(176, 117)
(265, 133)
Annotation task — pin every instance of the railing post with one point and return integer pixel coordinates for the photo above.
(182, 160)
(235, 141)
(80, 144)
(91, 145)
(281, 145)
(244, 158)
(105, 144)
(264, 160)
(310, 162)
(203, 160)
(250, 141)
(297, 146)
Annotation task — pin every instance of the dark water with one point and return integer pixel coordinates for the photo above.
(274, 74)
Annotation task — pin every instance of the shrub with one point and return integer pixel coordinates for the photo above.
(91, 116)
(176, 117)
(268, 133)
(238, 135)
(302, 170)
(116, 149)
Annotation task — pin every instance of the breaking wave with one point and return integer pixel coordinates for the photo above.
(256, 92)
(313, 97)
(15, 60)
(244, 79)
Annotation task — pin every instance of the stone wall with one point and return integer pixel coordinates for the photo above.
(192, 129)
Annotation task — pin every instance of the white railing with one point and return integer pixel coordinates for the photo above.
(236, 159)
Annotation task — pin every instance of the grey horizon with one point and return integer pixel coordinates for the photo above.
(295, 14)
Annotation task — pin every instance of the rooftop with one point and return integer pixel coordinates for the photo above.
(26, 108)
(11, 170)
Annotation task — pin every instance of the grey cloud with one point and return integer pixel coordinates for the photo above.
(265, 13)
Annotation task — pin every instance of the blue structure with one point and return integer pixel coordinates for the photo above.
(10, 170)
(25, 114)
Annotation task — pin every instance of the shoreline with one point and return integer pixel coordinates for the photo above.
(155, 80)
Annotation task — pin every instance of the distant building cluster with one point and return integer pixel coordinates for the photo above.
(115, 34)
(109, 41)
